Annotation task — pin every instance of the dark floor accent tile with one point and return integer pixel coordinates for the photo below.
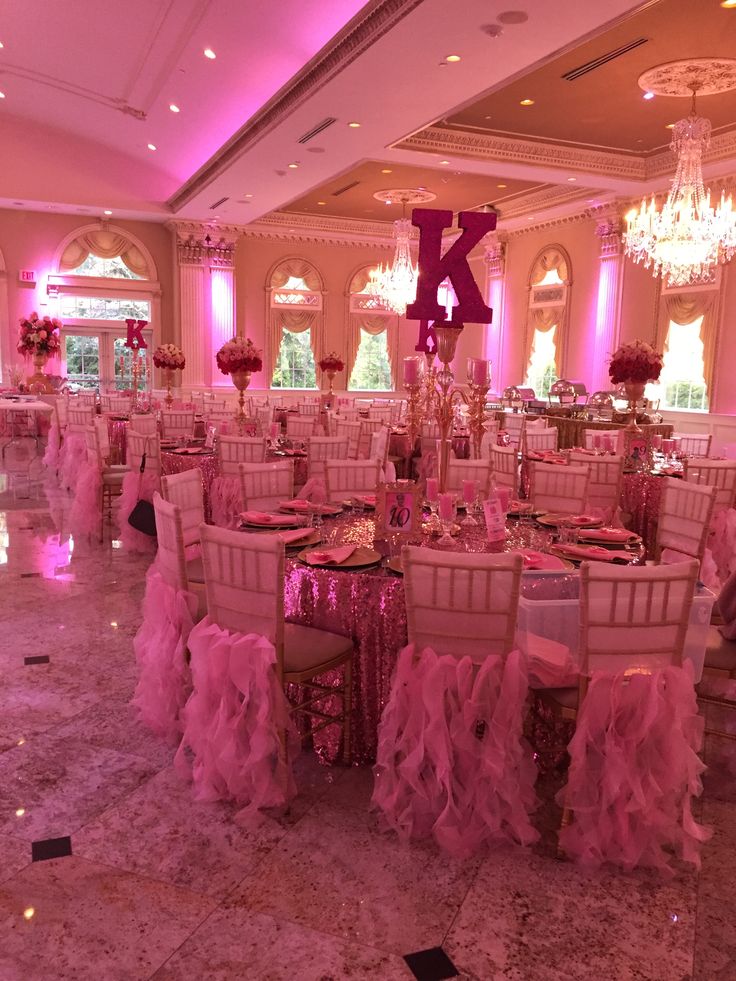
(37, 659)
(48, 848)
(29, 575)
(431, 965)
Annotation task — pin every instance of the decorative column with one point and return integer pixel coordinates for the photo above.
(495, 260)
(206, 296)
(608, 306)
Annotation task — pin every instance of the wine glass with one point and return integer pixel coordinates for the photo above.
(448, 514)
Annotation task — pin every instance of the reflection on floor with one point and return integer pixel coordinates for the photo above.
(109, 870)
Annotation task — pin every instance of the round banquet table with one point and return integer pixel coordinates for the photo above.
(640, 498)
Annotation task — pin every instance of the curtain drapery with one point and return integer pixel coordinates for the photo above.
(371, 323)
(551, 259)
(299, 269)
(106, 245)
(296, 322)
(683, 308)
(542, 319)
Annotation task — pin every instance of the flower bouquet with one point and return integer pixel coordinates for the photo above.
(633, 365)
(238, 358)
(331, 364)
(38, 339)
(170, 358)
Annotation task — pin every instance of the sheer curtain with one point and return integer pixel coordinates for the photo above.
(106, 245)
(295, 321)
(684, 308)
(542, 319)
(372, 323)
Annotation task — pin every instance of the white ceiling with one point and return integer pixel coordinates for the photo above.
(76, 75)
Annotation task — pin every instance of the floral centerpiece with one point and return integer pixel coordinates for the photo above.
(38, 339)
(633, 365)
(238, 358)
(331, 364)
(170, 358)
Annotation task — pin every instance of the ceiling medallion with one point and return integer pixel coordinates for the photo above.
(396, 285)
(689, 237)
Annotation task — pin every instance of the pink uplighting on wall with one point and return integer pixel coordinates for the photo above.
(222, 323)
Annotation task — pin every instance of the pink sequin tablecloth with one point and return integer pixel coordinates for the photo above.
(117, 430)
(640, 498)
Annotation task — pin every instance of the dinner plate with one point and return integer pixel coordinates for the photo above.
(192, 451)
(633, 541)
(350, 503)
(396, 565)
(362, 558)
(550, 520)
(270, 526)
(313, 538)
(565, 564)
(625, 558)
(325, 510)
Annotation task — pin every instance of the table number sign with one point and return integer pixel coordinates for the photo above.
(637, 451)
(495, 519)
(398, 510)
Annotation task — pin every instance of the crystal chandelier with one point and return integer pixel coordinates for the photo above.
(396, 285)
(688, 238)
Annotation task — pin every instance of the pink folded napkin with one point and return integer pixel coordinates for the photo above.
(610, 534)
(292, 535)
(333, 556)
(596, 552)
(369, 499)
(262, 518)
(298, 504)
(520, 505)
(581, 519)
(539, 560)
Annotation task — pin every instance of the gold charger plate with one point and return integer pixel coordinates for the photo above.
(271, 526)
(626, 557)
(396, 565)
(325, 510)
(632, 542)
(552, 520)
(361, 558)
(313, 538)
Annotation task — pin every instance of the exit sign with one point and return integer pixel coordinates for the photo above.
(27, 275)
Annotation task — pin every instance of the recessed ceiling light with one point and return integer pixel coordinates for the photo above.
(502, 186)
(354, 125)
(174, 107)
(293, 166)
(28, 913)
(728, 4)
(321, 202)
(571, 179)
(530, 218)
(670, 126)
(451, 59)
(248, 195)
(527, 102)
(151, 146)
(209, 53)
(648, 95)
(1, 45)
(2, 95)
(107, 211)
(444, 163)
(386, 170)
(513, 17)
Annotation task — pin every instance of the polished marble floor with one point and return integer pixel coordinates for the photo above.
(109, 870)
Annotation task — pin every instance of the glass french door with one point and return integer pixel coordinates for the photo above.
(98, 358)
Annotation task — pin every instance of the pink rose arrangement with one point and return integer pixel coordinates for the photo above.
(637, 362)
(332, 362)
(239, 355)
(38, 336)
(169, 356)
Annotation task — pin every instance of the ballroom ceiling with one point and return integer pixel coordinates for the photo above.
(264, 126)
(604, 107)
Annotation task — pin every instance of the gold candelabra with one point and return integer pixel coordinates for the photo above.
(444, 396)
(414, 411)
(476, 400)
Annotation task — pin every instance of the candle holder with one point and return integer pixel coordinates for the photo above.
(445, 396)
(477, 417)
(414, 412)
(241, 380)
(430, 382)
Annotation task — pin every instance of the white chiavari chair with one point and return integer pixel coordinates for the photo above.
(234, 450)
(144, 422)
(87, 399)
(119, 405)
(300, 427)
(720, 474)
(555, 488)
(346, 478)
(79, 418)
(478, 470)
(350, 428)
(186, 491)
(378, 446)
(514, 424)
(429, 434)
(244, 575)
(138, 444)
(97, 486)
(606, 480)
(322, 448)
(308, 408)
(265, 485)
(540, 440)
(488, 440)
(367, 428)
(177, 422)
(505, 467)
(171, 557)
(694, 444)
(383, 413)
(685, 514)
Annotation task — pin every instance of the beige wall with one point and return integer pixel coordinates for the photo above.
(29, 239)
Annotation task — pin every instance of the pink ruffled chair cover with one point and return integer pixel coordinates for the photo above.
(85, 516)
(53, 447)
(634, 770)
(226, 501)
(234, 721)
(451, 760)
(708, 569)
(160, 645)
(722, 542)
(72, 457)
(133, 540)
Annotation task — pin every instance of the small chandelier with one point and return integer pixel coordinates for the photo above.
(395, 285)
(688, 238)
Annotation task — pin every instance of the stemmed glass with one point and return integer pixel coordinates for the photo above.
(470, 496)
(448, 514)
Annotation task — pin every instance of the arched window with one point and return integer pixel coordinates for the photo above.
(105, 276)
(372, 338)
(548, 299)
(296, 311)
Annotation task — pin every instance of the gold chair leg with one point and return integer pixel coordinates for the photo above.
(347, 709)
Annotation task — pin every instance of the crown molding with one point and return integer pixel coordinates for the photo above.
(286, 227)
(368, 26)
(553, 196)
(198, 243)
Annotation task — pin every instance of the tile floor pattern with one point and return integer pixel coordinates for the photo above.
(151, 884)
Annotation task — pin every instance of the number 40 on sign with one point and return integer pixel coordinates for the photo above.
(398, 510)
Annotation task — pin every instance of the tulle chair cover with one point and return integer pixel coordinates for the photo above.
(86, 510)
(634, 771)
(225, 491)
(74, 450)
(720, 474)
(557, 488)
(138, 444)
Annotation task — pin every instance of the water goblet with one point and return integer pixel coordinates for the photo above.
(448, 513)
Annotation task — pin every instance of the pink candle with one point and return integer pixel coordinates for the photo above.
(481, 371)
(446, 506)
(597, 441)
(433, 488)
(504, 496)
(470, 490)
(668, 445)
(607, 443)
(411, 371)
(657, 441)
(273, 430)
